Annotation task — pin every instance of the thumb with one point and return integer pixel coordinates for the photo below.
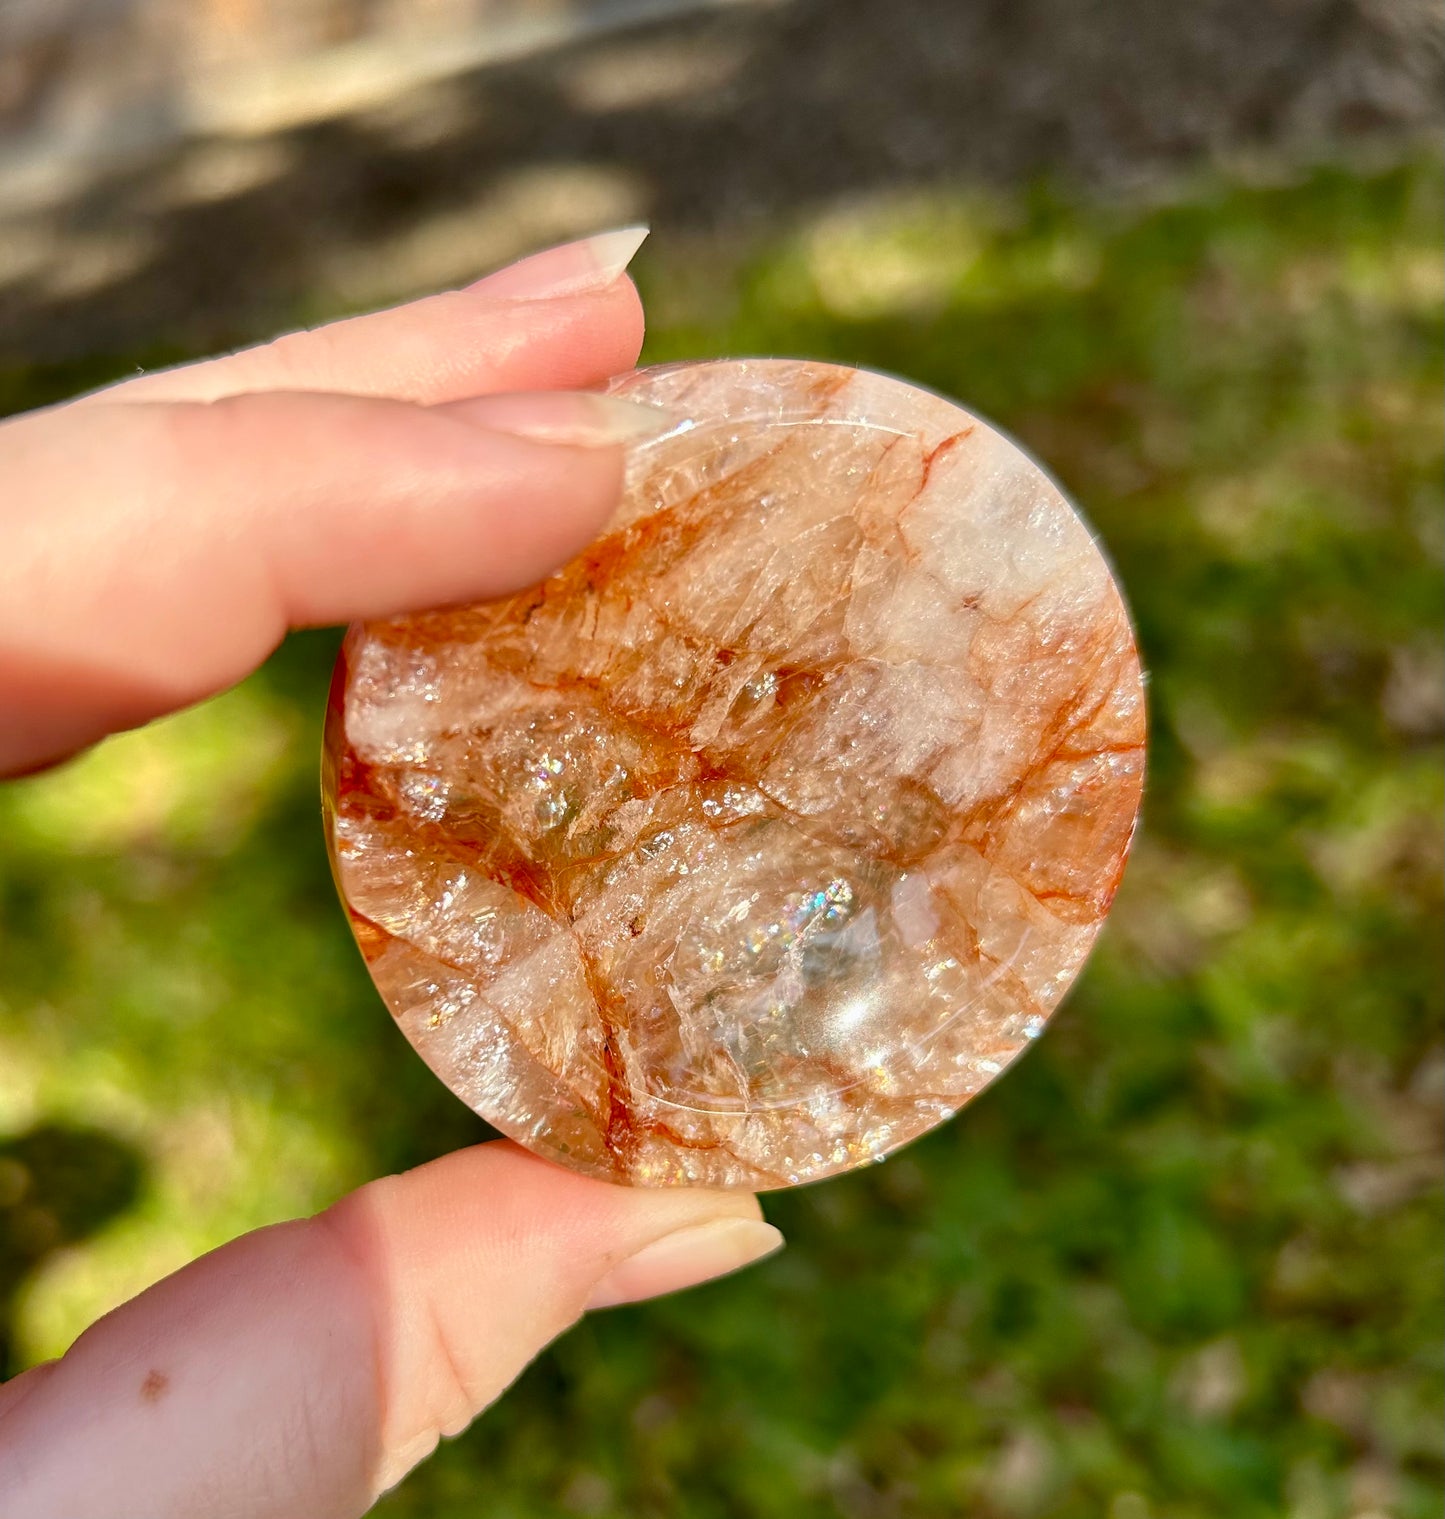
(305, 1368)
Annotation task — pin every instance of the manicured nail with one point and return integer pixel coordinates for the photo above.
(697, 1254)
(592, 263)
(578, 419)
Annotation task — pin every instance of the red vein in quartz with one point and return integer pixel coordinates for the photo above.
(374, 939)
(941, 451)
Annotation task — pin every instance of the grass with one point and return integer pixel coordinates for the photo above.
(1185, 1261)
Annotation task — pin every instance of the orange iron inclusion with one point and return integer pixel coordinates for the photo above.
(766, 833)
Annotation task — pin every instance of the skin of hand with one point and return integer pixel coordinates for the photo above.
(159, 538)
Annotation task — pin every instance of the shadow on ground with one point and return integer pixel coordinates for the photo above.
(59, 1185)
(711, 124)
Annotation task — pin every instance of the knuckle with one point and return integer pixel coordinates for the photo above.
(307, 358)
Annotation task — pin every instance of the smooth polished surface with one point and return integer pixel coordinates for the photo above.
(762, 836)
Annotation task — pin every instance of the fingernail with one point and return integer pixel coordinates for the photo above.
(578, 419)
(697, 1254)
(591, 263)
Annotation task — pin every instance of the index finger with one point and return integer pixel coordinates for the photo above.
(564, 318)
(156, 552)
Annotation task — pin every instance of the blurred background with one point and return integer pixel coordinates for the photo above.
(1186, 1260)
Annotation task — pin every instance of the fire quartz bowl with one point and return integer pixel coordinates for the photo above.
(767, 832)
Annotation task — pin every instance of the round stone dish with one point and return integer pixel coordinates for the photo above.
(768, 831)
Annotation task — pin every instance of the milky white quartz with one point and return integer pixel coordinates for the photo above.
(766, 833)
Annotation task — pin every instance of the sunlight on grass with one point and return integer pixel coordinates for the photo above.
(193, 781)
(1185, 1260)
(220, 1164)
(895, 254)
